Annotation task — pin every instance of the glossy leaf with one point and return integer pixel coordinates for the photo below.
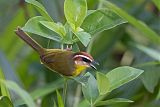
(22, 93)
(90, 90)
(103, 83)
(75, 12)
(56, 27)
(105, 19)
(113, 101)
(122, 75)
(33, 26)
(149, 33)
(60, 100)
(84, 37)
(40, 8)
(5, 102)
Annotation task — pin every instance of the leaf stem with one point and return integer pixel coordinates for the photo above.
(48, 44)
(65, 90)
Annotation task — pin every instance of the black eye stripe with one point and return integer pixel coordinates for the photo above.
(86, 60)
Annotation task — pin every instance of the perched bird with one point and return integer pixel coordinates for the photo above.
(65, 62)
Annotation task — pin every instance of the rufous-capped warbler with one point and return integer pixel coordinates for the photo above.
(65, 62)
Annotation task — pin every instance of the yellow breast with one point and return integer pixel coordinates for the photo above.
(79, 69)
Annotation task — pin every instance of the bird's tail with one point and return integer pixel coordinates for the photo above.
(24, 36)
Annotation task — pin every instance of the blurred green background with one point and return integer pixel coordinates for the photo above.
(119, 46)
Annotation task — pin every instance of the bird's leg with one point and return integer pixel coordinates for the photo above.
(68, 48)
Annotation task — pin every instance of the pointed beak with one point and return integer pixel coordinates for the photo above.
(93, 63)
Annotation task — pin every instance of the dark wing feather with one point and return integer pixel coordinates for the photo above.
(60, 61)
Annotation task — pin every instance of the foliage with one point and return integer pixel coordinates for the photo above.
(123, 36)
(5, 102)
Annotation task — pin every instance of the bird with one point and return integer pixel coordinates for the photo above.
(63, 61)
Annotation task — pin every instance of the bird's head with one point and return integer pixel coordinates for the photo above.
(84, 59)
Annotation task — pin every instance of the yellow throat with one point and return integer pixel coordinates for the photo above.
(79, 69)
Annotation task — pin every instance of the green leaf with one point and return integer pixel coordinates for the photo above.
(83, 103)
(90, 90)
(113, 101)
(83, 80)
(84, 37)
(55, 105)
(5, 102)
(68, 37)
(158, 96)
(56, 27)
(4, 90)
(75, 12)
(19, 91)
(149, 51)
(105, 19)
(102, 45)
(40, 8)
(75, 47)
(149, 33)
(157, 3)
(33, 26)
(122, 75)
(103, 83)
(150, 77)
(48, 100)
(60, 100)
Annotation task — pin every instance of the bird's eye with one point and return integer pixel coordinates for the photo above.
(86, 60)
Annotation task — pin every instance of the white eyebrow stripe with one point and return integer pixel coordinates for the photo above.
(83, 57)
